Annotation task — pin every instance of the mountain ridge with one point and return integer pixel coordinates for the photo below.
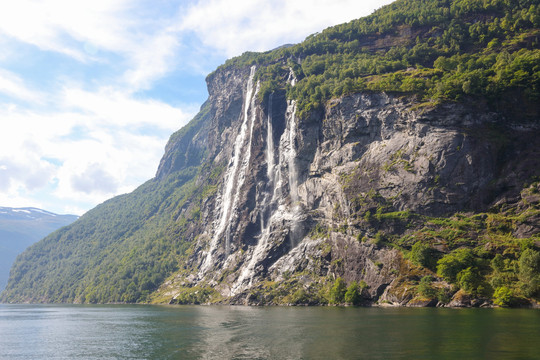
(20, 228)
(332, 172)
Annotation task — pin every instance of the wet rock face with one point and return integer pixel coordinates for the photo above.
(292, 189)
(423, 162)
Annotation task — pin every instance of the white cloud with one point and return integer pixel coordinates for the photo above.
(91, 30)
(53, 25)
(94, 142)
(113, 107)
(154, 62)
(12, 85)
(16, 175)
(94, 179)
(16, 200)
(235, 26)
(102, 137)
(81, 136)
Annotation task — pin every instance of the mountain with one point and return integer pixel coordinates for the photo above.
(20, 228)
(393, 159)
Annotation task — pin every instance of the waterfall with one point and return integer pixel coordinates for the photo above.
(292, 78)
(291, 156)
(266, 204)
(245, 154)
(274, 206)
(234, 176)
(270, 142)
(291, 153)
(270, 167)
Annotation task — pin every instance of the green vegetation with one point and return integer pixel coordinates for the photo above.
(503, 296)
(122, 250)
(452, 265)
(425, 287)
(479, 252)
(421, 254)
(529, 272)
(440, 49)
(322, 290)
(353, 295)
(437, 51)
(338, 291)
(195, 295)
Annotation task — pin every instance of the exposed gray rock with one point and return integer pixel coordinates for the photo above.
(283, 177)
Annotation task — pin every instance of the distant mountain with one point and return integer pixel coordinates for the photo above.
(20, 228)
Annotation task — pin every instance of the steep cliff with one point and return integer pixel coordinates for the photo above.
(386, 160)
(291, 204)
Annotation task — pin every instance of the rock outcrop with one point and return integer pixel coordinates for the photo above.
(394, 159)
(295, 194)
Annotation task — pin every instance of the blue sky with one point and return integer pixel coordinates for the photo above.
(90, 91)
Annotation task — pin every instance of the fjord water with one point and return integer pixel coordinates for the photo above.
(221, 332)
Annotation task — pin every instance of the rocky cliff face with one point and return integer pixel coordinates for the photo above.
(357, 191)
(254, 204)
(294, 197)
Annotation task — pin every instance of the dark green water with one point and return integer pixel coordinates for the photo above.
(191, 332)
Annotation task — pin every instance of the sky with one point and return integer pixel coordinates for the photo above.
(90, 91)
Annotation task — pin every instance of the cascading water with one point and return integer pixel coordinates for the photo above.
(270, 167)
(274, 199)
(241, 175)
(234, 177)
(295, 207)
(291, 153)
(270, 141)
(292, 78)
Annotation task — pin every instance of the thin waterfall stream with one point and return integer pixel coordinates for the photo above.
(234, 178)
(283, 212)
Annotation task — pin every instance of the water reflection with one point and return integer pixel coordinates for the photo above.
(250, 333)
(173, 332)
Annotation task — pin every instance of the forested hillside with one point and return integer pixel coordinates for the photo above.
(392, 159)
(20, 228)
(438, 49)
